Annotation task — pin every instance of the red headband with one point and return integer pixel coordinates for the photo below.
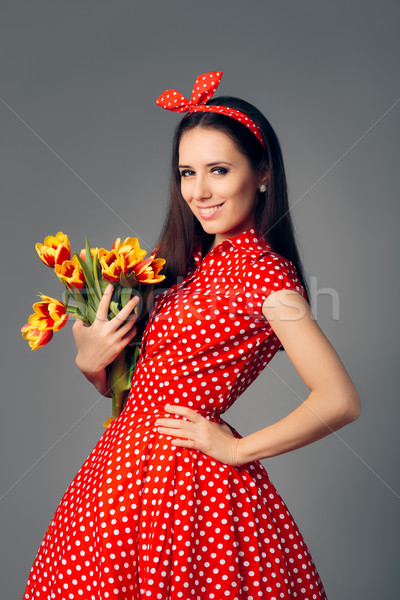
(204, 88)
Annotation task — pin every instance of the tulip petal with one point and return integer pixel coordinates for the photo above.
(62, 253)
(116, 244)
(43, 339)
(60, 323)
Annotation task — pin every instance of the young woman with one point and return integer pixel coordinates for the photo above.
(173, 503)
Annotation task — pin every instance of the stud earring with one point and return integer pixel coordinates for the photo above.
(263, 187)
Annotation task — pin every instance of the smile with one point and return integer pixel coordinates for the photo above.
(210, 211)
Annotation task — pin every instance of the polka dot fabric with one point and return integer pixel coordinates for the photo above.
(146, 519)
(203, 90)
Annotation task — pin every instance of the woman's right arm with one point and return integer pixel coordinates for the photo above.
(99, 344)
(99, 380)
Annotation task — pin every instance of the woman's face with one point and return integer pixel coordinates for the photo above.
(217, 182)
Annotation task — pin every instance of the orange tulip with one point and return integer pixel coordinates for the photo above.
(111, 266)
(102, 252)
(49, 314)
(36, 338)
(130, 253)
(148, 270)
(55, 249)
(71, 272)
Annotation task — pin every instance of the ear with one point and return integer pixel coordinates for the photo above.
(264, 175)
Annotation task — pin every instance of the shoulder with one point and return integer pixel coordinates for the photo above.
(286, 304)
(264, 275)
(271, 272)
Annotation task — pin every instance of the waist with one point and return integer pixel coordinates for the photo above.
(151, 412)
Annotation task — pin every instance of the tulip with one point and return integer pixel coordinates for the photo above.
(49, 314)
(98, 251)
(93, 251)
(111, 267)
(71, 272)
(148, 270)
(129, 252)
(55, 249)
(36, 337)
(85, 277)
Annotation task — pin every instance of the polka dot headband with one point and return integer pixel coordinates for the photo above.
(203, 90)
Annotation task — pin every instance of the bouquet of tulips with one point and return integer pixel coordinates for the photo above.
(85, 278)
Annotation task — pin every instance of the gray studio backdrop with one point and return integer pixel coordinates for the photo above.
(85, 150)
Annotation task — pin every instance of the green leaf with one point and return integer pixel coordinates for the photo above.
(114, 308)
(103, 284)
(126, 294)
(88, 255)
(89, 287)
(80, 301)
(91, 313)
(65, 298)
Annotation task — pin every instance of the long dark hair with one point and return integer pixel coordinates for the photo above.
(182, 230)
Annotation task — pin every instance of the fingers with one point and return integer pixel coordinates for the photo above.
(104, 304)
(125, 313)
(104, 307)
(127, 326)
(127, 337)
(77, 324)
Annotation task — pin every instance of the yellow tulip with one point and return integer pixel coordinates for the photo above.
(55, 249)
(110, 263)
(35, 337)
(129, 252)
(71, 272)
(49, 314)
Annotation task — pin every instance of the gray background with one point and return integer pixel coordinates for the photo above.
(84, 149)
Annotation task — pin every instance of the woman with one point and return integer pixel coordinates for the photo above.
(173, 502)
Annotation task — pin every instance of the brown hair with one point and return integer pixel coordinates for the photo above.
(273, 222)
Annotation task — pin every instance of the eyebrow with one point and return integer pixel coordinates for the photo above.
(213, 164)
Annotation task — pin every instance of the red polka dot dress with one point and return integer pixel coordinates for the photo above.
(146, 519)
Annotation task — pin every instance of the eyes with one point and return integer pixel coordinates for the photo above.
(217, 170)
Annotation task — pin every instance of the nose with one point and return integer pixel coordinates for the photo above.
(200, 189)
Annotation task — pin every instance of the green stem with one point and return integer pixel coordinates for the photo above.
(96, 267)
(120, 379)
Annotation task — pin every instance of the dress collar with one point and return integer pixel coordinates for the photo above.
(246, 241)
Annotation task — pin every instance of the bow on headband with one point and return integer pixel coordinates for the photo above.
(203, 90)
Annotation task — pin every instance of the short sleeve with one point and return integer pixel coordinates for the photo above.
(266, 275)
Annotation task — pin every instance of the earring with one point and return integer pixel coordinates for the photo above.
(263, 187)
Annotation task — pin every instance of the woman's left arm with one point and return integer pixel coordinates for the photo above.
(333, 401)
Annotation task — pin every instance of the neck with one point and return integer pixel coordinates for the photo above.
(208, 245)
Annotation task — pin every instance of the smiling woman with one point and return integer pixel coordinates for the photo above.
(218, 182)
(173, 502)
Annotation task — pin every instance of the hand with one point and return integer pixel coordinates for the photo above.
(214, 439)
(100, 343)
